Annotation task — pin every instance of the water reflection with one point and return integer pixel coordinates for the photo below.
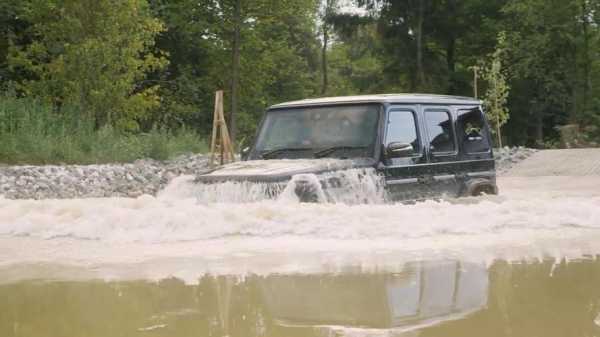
(425, 293)
(444, 298)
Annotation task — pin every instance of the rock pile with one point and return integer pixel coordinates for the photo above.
(89, 181)
(506, 157)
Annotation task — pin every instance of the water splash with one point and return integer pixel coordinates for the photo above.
(529, 219)
(309, 183)
(352, 186)
(227, 192)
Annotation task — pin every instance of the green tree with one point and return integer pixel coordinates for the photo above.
(543, 50)
(429, 44)
(496, 95)
(355, 59)
(91, 55)
(12, 31)
(326, 13)
(278, 58)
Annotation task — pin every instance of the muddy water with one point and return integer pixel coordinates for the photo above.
(427, 298)
(520, 264)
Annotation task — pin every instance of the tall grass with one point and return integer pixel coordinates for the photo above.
(32, 133)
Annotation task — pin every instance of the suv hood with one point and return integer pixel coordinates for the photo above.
(276, 170)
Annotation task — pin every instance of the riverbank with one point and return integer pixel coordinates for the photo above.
(132, 180)
(145, 176)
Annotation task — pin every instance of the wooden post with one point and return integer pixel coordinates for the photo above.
(475, 79)
(220, 142)
(213, 141)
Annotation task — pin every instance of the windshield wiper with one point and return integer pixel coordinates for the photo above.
(330, 150)
(270, 153)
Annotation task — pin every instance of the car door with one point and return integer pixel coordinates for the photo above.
(442, 151)
(474, 140)
(403, 171)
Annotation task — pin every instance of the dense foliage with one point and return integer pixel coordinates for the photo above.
(138, 65)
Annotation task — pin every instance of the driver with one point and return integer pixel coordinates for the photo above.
(354, 128)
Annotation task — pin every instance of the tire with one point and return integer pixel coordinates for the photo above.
(480, 187)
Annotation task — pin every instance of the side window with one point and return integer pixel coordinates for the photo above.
(472, 132)
(402, 128)
(439, 129)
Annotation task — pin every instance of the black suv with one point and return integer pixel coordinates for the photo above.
(420, 146)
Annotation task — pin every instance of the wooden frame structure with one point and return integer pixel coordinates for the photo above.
(220, 145)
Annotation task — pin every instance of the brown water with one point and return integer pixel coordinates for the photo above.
(441, 298)
(171, 266)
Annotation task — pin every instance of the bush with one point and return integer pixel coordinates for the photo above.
(31, 132)
(577, 136)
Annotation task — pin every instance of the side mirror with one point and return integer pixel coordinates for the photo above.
(245, 152)
(398, 149)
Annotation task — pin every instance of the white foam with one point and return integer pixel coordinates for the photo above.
(522, 221)
(179, 215)
(151, 220)
(360, 186)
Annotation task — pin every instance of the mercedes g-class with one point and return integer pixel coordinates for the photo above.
(421, 146)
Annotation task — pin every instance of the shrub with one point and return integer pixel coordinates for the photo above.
(31, 132)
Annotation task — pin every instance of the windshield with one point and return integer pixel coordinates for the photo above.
(346, 131)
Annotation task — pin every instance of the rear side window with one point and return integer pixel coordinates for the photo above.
(439, 129)
(472, 132)
(402, 129)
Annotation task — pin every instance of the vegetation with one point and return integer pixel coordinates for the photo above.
(496, 95)
(126, 69)
(31, 133)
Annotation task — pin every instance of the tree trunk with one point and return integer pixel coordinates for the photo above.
(498, 131)
(324, 54)
(539, 127)
(450, 48)
(586, 56)
(235, 70)
(327, 13)
(419, 32)
(451, 63)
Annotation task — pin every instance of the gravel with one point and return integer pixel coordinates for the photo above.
(506, 157)
(144, 176)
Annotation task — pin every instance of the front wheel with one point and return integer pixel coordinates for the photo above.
(480, 187)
